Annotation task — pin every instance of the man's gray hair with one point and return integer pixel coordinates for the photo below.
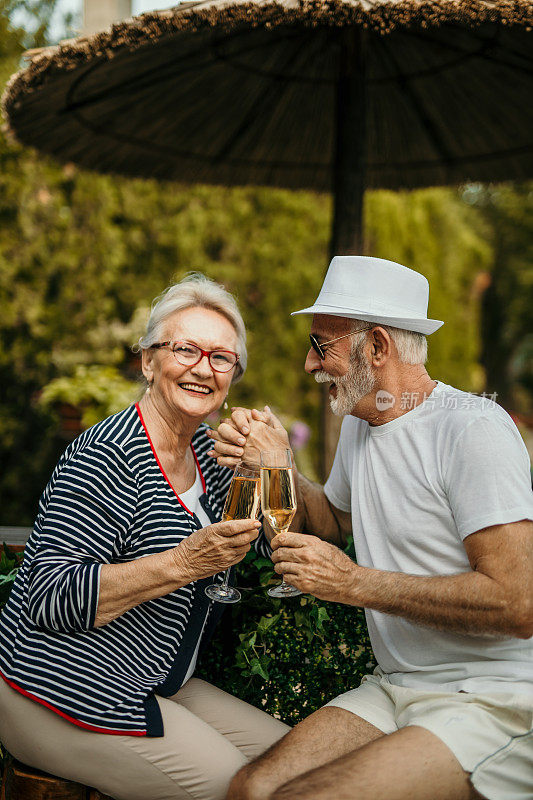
(196, 290)
(412, 347)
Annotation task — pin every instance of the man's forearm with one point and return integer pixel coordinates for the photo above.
(470, 602)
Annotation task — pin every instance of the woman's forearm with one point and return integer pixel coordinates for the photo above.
(123, 586)
(205, 552)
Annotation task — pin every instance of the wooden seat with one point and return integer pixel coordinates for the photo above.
(20, 782)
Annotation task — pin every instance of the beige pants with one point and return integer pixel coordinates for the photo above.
(209, 735)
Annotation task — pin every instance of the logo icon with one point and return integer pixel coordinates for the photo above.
(384, 400)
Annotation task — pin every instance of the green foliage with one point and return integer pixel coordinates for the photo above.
(29, 444)
(9, 564)
(82, 256)
(288, 656)
(507, 353)
(98, 391)
(436, 234)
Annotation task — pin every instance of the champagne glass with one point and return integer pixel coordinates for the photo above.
(242, 502)
(278, 501)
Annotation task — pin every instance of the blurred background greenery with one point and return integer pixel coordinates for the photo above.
(82, 256)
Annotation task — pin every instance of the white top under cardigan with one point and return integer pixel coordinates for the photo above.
(191, 498)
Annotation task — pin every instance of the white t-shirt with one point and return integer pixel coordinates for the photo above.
(416, 487)
(191, 498)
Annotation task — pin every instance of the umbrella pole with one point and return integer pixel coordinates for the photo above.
(348, 185)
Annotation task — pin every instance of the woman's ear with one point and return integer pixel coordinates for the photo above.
(147, 364)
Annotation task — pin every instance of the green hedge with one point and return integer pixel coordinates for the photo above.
(9, 564)
(288, 657)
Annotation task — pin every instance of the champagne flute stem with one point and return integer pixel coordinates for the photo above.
(283, 589)
(225, 583)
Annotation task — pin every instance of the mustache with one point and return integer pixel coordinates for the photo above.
(324, 377)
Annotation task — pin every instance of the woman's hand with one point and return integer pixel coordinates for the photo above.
(215, 548)
(247, 433)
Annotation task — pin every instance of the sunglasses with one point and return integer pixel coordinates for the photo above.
(318, 347)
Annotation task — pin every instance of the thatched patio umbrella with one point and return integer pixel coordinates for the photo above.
(333, 96)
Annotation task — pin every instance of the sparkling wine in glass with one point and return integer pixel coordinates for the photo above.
(242, 502)
(278, 501)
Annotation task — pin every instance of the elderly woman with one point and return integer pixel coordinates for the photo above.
(102, 630)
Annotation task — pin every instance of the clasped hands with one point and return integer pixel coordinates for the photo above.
(312, 565)
(245, 434)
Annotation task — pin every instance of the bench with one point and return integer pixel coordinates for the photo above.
(16, 538)
(21, 782)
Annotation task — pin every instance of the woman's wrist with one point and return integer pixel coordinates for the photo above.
(180, 566)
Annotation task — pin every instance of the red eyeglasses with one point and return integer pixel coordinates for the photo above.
(189, 355)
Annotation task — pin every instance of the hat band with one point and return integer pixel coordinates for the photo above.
(375, 310)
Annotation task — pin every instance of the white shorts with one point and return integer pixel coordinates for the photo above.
(491, 735)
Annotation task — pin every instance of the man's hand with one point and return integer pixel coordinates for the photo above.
(314, 566)
(245, 434)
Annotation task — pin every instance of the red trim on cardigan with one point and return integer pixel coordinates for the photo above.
(77, 722)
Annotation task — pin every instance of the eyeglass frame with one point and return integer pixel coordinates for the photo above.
(206, 353)
(318, 347)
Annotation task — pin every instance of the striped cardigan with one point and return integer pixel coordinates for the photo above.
(108, 502)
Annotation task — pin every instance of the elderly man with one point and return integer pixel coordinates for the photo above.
(435, 484)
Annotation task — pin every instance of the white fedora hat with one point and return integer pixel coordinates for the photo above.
(375, 290)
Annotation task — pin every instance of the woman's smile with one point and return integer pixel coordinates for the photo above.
(195, 388)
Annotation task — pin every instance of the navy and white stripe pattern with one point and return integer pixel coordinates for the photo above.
(108, 502)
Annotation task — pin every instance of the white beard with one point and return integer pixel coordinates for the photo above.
(352, 387)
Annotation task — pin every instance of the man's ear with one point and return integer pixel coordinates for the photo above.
(381, 347)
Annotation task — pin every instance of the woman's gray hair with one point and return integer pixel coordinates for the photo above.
(412, 347)
(196, 290)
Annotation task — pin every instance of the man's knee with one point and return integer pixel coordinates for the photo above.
(249, 784)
